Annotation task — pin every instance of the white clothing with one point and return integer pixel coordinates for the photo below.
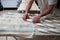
(44, 3)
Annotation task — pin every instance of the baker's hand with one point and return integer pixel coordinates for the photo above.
(25, 16)
(36, 19)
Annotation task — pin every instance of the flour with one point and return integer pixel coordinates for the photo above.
(14, 22)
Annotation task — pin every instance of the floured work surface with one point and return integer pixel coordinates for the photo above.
(12, 23)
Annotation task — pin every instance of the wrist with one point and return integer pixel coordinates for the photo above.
(40, 15)
(26, 11)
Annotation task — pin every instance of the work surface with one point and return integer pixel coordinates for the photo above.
(12, 24)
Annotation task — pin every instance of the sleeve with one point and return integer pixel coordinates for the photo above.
(52, 2)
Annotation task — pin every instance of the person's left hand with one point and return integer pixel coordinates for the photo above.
(36, 19)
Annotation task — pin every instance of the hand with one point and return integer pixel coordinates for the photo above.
(36, 19)
(25, 16)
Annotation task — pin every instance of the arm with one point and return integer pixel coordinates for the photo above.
(29, 6)
(51, 4)
(25, 16)
(47, 11)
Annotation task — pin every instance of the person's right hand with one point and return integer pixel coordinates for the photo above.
(25, 16)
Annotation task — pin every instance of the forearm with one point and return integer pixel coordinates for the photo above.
(47, 11)
(29, 5)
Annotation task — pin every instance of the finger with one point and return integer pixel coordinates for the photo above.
(24, 19)
(33, 21)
